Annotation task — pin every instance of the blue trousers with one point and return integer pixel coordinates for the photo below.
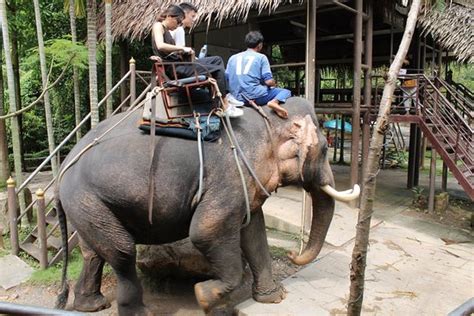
(279, 94)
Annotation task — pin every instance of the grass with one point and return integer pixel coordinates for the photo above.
(278, 252)
(52, 275)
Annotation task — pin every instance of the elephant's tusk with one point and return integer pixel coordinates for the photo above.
(344, 196)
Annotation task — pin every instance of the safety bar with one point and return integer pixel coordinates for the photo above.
(17, 309)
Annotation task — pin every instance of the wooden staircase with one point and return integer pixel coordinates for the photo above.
(446, 119)
(44, 242)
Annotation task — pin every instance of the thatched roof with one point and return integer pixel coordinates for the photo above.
(453, 28)
(133, 20)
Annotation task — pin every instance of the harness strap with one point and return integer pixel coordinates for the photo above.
(151, 178)
(201, 159)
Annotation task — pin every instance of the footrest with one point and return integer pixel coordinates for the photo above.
(183, 81)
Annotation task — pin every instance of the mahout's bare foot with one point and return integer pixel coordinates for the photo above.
(279, 110)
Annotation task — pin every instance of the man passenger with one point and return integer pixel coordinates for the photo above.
(250, 77)
(190, 13)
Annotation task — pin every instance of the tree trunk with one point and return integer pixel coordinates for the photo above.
(92, 47)
(44, 79)
(4, 168)
(16, 73)
(108, 54)
(359, 254)
(75, 72)
(12, 96)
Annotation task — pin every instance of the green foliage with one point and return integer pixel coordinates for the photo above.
(464, 74)
(59, 51)
(79, 7)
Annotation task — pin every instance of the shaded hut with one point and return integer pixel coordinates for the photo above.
(355, 36)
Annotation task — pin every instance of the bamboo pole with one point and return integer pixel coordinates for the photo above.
(359, 254)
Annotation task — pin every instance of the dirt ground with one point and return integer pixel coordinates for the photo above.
(456, 216)
(163, 296)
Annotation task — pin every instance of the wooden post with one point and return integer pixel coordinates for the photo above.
(431, 196)
(417, 155)
(335, 141)
(13, 216)
(310, 84)
(41, 213)
(124, 65)
(356, 96)
(444, 178)
(341, 151)
(411, 157)
(133, 81)
(367, 84)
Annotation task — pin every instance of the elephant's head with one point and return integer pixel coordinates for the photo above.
(303, 160)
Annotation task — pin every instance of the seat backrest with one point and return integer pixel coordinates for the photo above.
(178, 95)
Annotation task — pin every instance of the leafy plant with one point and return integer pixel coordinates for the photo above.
(419, 200)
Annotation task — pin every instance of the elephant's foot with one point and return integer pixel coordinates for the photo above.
(135, 311)
(275, 295)
(208, 293)
(90, 303)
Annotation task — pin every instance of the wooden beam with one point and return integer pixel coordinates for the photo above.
(369, 32)
(310, 85)
(354, 178)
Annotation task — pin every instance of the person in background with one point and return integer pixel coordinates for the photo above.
(250, 77)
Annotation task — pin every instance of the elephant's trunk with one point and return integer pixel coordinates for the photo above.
(321, 186)
(323, 210)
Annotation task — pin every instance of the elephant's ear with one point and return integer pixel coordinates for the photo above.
(304, 133)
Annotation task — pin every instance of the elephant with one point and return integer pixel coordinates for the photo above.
(105, 196)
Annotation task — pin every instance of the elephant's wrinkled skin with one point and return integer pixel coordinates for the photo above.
(105, 196)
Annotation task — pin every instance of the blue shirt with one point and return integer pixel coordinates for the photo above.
(247, 72)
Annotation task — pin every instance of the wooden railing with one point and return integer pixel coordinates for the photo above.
(447, 126)
(42, 235)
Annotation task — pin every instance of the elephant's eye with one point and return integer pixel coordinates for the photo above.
(324, 150)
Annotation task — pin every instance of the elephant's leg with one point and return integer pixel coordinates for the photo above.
(87, 295)
(116, 246)
(215, 232)
(255, 247)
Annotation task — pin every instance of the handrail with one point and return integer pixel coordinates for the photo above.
(447, 102)
(70, 135)
(466, 105)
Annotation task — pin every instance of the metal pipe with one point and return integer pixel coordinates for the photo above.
(41, 218)
(17, 309)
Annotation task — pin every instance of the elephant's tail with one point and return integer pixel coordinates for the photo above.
(63, 296)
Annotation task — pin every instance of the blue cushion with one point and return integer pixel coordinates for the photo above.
(183, 81)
